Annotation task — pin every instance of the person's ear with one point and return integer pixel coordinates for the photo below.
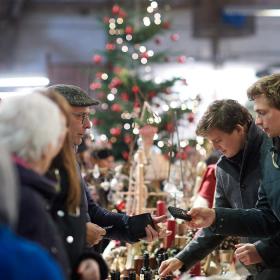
(239, 128)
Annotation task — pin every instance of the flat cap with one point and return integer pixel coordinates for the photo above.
(75, 95)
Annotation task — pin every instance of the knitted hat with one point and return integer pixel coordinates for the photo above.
(74, 95)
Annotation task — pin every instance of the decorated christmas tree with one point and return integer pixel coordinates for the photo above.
(130, 97)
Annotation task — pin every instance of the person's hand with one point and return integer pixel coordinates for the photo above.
(169, 266)
(247, 253)
(201, 217)
(159, 231)
(95, 234)
(89, 270)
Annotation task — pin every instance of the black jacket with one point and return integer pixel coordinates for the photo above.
(117, 224)
(35, 221)
(237, 183)
(263, 220)
(72, 228)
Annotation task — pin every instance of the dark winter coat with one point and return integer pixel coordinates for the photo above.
(117, 225)
(263, 220)
(19, 258)
(237, 184)
(72, 228)
(35, 221)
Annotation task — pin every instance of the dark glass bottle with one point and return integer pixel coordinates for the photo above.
(159, 261)
(146, 270)
(113, 275)
(147, 275)
(165, 256)
(132, 275)
(118, 275)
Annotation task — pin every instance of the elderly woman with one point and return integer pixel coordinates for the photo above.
(16, 254)
(33, 129)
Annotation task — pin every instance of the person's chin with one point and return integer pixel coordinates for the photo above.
(78, 141)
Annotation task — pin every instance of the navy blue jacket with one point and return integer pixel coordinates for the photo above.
(35, 221)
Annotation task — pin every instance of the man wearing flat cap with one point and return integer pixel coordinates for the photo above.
(118, 225)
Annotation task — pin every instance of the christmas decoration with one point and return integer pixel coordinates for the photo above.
(124, 84)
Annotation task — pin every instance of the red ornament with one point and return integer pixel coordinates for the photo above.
(97, 59)
(181, 155)
(127, 139)
(158, 41)
(181, 59)
(175, 37)
(128, 30)
(125, 155)
(124, 96)
(136, 105)
(152, 94)
(110, 47)
(120, 206)
(116, 9)
(116, 82)
(166, 25)
(98, 75)
(94, 86)
(116, 107)
(135, 89)
(144, 55)
(191, 117)
(115, 131)
(117, 70)
(122, 13)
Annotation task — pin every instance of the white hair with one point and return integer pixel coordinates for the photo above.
(28, 124)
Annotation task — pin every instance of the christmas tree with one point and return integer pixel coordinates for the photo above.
(130, 99)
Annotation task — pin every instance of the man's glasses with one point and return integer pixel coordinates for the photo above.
(82, 116)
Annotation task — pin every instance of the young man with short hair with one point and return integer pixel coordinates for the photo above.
(230, 128)
(265, 219)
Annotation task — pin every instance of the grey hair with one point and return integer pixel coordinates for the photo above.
(28, 124)
(8, 190)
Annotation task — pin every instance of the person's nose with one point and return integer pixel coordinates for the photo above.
(87, 123)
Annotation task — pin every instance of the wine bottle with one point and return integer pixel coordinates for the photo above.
(118, 275)
(146, 270)
(113, 275)
(132, 275)
(159, 261)
(165, 256)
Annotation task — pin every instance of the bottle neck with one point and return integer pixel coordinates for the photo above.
(146, 261)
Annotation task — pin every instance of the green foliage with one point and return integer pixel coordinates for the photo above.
(120, 84)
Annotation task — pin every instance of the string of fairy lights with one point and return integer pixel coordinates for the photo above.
(121, 37)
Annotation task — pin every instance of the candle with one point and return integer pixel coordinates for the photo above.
(161, 208)
(171, 226)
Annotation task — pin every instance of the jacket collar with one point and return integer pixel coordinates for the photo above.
(251, 152)
(276, 144)
(37, 182)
